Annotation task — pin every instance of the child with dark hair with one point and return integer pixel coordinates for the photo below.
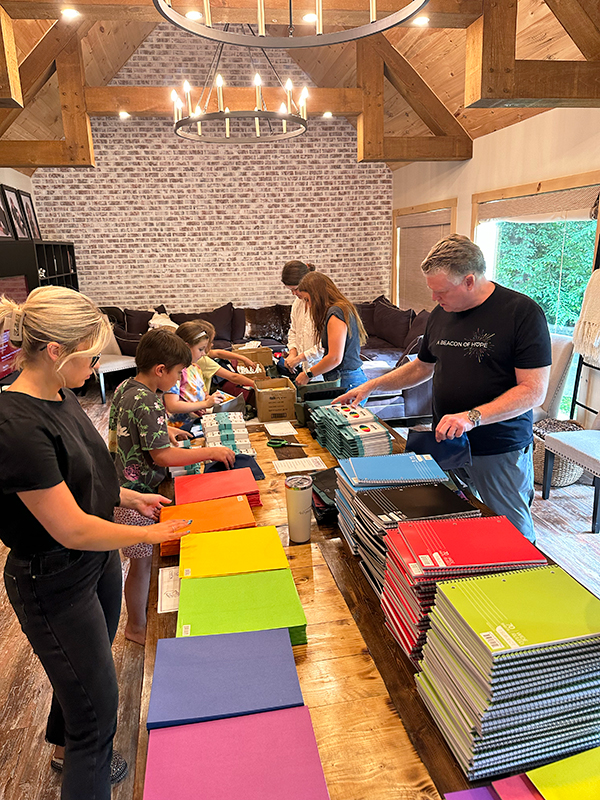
(142, 448)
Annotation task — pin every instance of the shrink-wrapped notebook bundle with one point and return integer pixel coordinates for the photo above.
(211, 515)
(227, 430)
(510, 669)
(347, 431)
(422, 553)
(216, 485)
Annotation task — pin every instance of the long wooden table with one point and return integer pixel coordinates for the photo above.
(375, 737)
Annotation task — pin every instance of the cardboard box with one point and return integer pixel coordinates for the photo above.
(260, 355)
(275, 399)
(259, 375)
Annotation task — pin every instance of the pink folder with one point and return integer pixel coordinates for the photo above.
(267, 756)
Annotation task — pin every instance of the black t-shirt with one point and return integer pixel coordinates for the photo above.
(42, 443)
(476, 353)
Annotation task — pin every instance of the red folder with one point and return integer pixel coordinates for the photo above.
(215, 485)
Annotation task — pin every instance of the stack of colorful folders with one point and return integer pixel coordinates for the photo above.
(510, 669)
(211, 515)
(216, 485)
(227, 430)
(348, 432)
(237, 581)
(422, 553)
(226, 720)
(357, 475)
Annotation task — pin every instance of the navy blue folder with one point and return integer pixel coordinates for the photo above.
(212, 677)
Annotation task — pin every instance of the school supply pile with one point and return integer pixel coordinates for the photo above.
(346, 431)
(510, 669)
(420, 554)
(226, 716)
(215, 485)
(226, 513)
(227, 430)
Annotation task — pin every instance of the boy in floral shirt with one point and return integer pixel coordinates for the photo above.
(140, 443)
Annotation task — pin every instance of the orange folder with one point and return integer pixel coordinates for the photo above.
(224, 514)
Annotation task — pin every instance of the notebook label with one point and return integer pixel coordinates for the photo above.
(415, 568)
(439, 560)
(187, 572)
(186, 630)
(503, 633)
(426, 561)
(492, 640)
(240, 498)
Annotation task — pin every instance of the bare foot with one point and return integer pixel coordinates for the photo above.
(137, 635)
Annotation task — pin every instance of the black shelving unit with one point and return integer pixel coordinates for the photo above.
(42, 263)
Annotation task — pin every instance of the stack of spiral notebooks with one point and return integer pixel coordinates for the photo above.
(420, 554)
(510, 669)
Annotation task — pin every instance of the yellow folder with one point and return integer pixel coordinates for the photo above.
(205, 555)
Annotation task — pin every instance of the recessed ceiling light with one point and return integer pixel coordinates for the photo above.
(194, 15)
(310, 18)
(327, 114)
(70, 13)
(124, 115)
(421, 21)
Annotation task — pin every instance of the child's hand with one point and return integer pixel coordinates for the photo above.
(223, 454)
(166, 531)
(209, 401)
(149, 505)
(177, 435)
(247, 361)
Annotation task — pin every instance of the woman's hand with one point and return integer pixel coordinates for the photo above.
(149, 505)
(223, 454)
(302, 379)
(166, 531)
(292, 362)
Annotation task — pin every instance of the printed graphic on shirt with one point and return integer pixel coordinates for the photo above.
(478, 346)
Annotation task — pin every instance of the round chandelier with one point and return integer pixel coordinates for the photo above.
(248, 126)
(205, 29)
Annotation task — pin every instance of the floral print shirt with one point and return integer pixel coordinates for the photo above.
(137, 424)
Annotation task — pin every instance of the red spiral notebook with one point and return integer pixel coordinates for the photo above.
(225, 514)
(215, 485)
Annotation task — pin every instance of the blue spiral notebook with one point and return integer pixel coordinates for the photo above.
(392, 469)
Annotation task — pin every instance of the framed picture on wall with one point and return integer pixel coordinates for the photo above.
(5, 225)
(16, 213)
(30, 215)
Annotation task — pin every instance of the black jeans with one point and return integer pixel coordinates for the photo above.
(68, 603)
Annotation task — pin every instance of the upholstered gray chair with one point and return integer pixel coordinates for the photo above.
(112, 360)
(562, 355)
(582, 448)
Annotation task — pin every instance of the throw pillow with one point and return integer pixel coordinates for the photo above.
(127, 342)
(366, 312)
(137, 321)
(391, 322)
(417, 327)
(238, 325)
(221, 318)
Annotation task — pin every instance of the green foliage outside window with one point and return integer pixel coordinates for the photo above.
(550, 262)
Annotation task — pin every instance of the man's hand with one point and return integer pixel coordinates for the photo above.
(452, 426)
(355, 396)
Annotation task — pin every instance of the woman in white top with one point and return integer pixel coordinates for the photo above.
(304, 346)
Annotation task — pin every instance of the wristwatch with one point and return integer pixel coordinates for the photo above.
(309, 373)
(475, 416)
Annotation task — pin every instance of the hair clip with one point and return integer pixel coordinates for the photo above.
(16, 326)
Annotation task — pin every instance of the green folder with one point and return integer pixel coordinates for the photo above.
(233, 603)
(512, 611)
(574, 778)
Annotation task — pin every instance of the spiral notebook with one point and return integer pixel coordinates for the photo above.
(392, 469)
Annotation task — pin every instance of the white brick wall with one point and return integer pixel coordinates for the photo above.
(161, 219)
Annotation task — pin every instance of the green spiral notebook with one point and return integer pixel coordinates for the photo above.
(233, 603)
(574, 778)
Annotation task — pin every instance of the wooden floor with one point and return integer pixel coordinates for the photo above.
(25, 774)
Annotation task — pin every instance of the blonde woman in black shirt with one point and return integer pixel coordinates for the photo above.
(59, 490)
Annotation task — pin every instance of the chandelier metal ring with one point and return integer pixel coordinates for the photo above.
(288, 42)
(181, 127)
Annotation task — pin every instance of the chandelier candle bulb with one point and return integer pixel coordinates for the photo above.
(227, 124)
(262, 31)
(198, 113)
(288, 90)
(174, 98)
(319, 17)
(188, 97)
(207, 14)
(257, 125)
(220, 93)
(282, 110)
(373, 10)
(179, 109)
(257, 83)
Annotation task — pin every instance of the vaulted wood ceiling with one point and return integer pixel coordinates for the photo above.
(438, 54)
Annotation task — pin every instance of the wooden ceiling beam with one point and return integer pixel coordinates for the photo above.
(491, 54)
(369, 78)
(581, 20)
(427, 148)
(11, 95)
(27, 154)
(155, 101)
(39, 65)
(76, 122)
(441, 13)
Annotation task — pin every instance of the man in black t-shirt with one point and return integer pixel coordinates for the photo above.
(488, 349)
